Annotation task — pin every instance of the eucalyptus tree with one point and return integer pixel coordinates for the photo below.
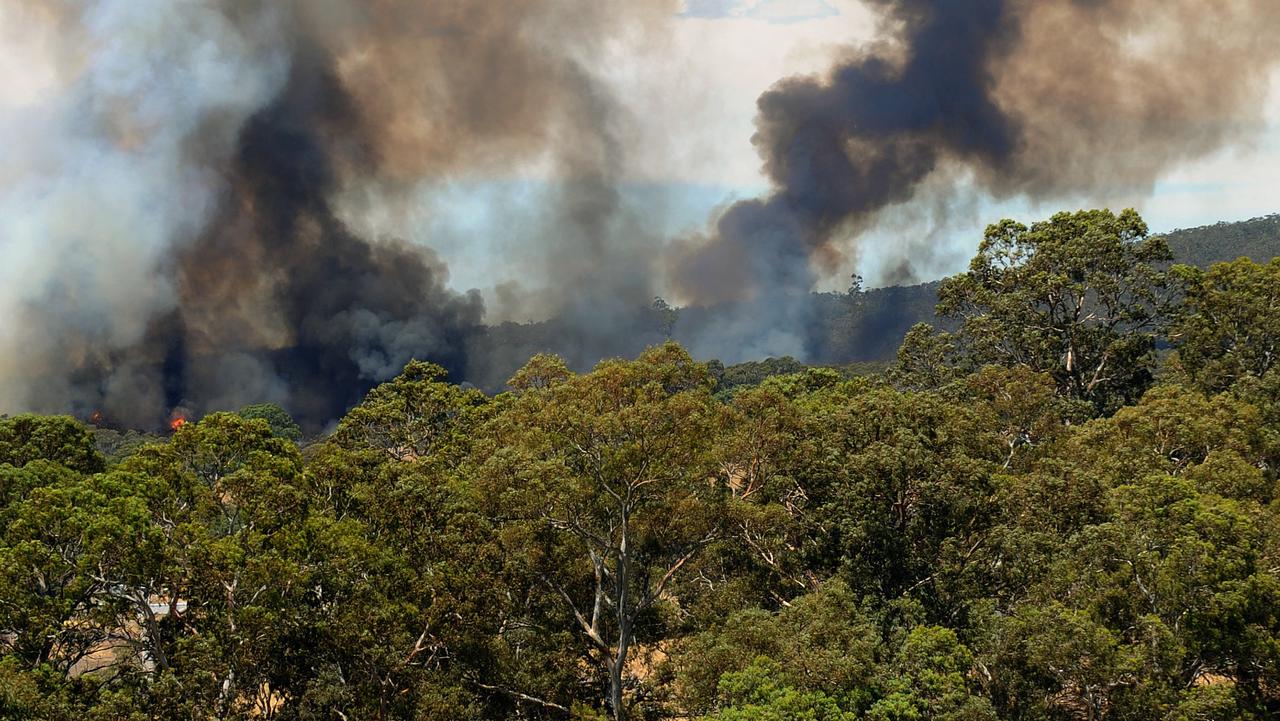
(1083, 296)
(606, 487)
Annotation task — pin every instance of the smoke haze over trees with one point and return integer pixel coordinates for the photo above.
(857, 326)
(172, 236)
(186, 215)
(264, 456)
(973, 535)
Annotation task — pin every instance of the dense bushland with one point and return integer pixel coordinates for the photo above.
(1038, 515)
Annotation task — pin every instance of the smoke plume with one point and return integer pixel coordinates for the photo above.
(171, 235)
(1068, 99)
(192, 202)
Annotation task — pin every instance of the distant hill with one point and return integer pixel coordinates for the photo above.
(1258, 239)
(872, 329)
(870, 325)
(861, 328)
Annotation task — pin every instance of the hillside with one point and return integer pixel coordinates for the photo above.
(841, 328)
(1257, 239)
(871, 328)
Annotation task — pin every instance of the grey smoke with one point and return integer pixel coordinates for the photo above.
(186, 215)
(1061, 99)
(171, 236)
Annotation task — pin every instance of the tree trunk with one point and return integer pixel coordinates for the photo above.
(623, 581)
(615, 691)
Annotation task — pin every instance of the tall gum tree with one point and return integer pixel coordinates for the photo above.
(1083, 296)
(604, 485)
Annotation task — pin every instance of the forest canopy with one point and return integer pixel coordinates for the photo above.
(1063, 507)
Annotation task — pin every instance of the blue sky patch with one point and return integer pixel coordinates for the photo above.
(776, 11)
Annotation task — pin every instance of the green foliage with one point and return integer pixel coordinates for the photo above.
(900, 485)
(982, 533)
(862, 325)
(753, 373)
(927, 360)
(1257, 238)
(542, 371)
(115, 446)
(1080, 296)
(604, 487)
(413, 416)
(828, 657)
(756, 694)
(932, 680)
(823, 643)
(1227, 329)
(279, 420)
(60, 439)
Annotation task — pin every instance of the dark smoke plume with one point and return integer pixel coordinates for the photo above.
(190, 211)
(348, 312)
(174, 231)
(1059, 99)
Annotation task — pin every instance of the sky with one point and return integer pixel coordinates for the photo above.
(208, 200)
(695, 98)
(689, 104)
(749, 44)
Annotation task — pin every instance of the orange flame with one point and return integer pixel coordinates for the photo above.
(96, 418)
(177, 422)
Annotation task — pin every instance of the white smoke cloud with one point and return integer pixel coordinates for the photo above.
(112, 169)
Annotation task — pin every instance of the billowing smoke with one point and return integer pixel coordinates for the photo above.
(171, 234)
(192, 203)
(1061, 99)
